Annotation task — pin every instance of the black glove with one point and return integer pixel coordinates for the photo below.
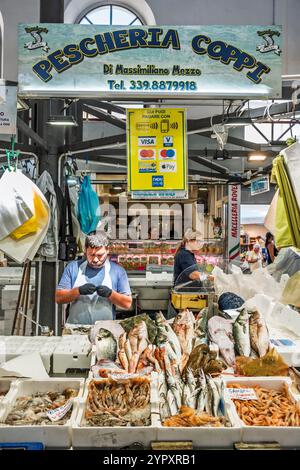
(104, 291)
(87, 289)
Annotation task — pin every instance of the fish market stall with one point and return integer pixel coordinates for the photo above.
(44, 410)
(156, 379)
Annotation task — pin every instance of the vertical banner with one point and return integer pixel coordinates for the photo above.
(234, 214)
(156, 153)
(8, 108)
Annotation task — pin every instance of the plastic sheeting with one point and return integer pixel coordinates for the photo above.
(291, 293)
(26, 247)
(248, 285)
(286, 262)
(16, 205)
(88, 207)
(292, 158)
(287, 213)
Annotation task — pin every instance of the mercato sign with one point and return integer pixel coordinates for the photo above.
(152, 38)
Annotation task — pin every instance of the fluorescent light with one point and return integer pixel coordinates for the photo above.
(257, 158)
(62, 121)
(202, 189)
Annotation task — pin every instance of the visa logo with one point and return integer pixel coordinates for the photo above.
(144, 141)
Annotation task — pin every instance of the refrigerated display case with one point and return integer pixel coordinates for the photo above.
(136, 256)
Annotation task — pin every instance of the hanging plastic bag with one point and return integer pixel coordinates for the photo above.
(32, 225)
(88, 207)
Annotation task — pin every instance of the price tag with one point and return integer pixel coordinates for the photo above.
(242, 393)
(60, 412)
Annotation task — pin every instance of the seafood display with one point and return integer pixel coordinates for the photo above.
(106, 345)
(270, 364)
(272, 408)
(119, 403)
(188, 417)
(241, 334)
(135, 350)
(259, 335)
(220, 332)
(129, 323)
(202, 394)
(183, 326)
(33, 409)
(202, 357)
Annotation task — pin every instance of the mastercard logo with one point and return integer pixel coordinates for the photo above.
(147, 153)
(167, 153)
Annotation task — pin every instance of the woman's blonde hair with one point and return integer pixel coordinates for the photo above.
(189, 235)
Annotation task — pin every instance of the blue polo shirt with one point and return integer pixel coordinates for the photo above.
(95, 276)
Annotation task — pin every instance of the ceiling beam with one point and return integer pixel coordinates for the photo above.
(104, 105)
(208, 164)
(90, 145)
(23, 127)
(105, 117)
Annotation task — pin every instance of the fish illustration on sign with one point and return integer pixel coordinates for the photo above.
(269, 45)
(38, 42)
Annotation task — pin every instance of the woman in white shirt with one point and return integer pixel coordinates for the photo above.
(254, 257)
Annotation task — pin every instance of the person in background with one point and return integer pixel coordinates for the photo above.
(93, 285)
(254, 257)
(272, 251)
(260, 241)
(185, 263)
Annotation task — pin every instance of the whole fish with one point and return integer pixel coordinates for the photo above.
(165, 329)
(259, 335)
(174, 387)
(183, 326)
(201, 328)
(241, 334)
(201, 401)
(187, 396)
(106, 345)
(190, 379)
(220, 332)
(214, 394)
(172, 403)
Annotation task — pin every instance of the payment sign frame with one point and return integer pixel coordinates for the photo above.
(157, 153)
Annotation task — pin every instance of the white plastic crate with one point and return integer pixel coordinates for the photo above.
(52, 435)
(84, 436)
(73, 352)
(286, 436)
(204, 436)
(19, 345)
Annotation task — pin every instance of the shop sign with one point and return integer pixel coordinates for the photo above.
(156, 153)
(113, 61)
(260, 185)
(234, 209)
(8, 108)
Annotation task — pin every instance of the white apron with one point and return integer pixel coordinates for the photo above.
(90, 308)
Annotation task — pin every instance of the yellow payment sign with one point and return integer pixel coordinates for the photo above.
(157, 153)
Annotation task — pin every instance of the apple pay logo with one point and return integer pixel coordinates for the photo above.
(167, 167)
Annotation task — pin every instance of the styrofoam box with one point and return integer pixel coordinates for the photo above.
(204, 436)
(20, 345)
(111, 437)
(52, 435)
(73, 352)
(286, 436)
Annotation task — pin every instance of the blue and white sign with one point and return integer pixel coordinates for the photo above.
(260, 185)
(112, 61)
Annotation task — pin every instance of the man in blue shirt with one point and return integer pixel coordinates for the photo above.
(94, 285)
